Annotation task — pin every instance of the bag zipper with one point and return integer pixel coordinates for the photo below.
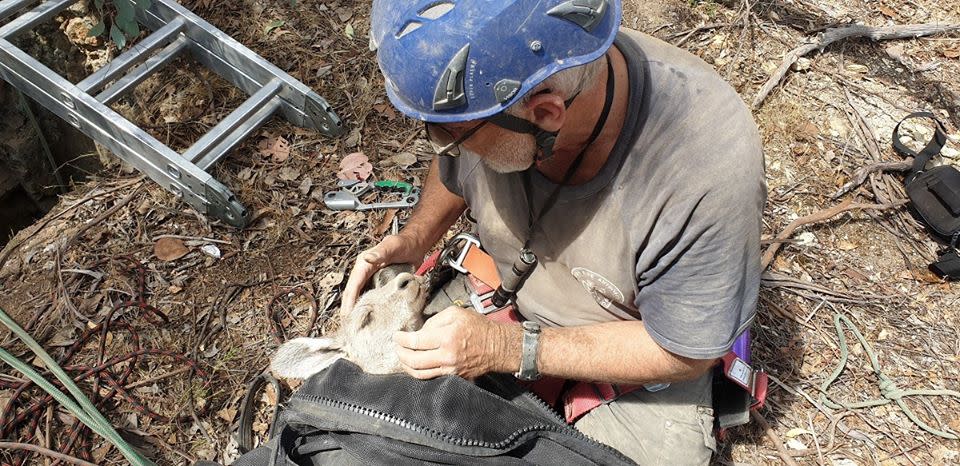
(576, 432)
(460, 441)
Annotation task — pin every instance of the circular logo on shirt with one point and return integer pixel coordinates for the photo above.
(599, 287)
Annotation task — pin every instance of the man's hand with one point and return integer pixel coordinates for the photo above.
(458, 341)
(393, 249)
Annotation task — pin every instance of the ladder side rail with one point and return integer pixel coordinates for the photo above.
(231, 122)
(136, 53)
(221, 53)
(10, 7)
(29, 20)
(123, 138)
(241, 132)
(125, 84)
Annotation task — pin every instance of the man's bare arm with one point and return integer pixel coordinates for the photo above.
(463, 342)
(437, 211)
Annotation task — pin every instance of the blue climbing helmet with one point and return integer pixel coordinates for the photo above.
(459, 60)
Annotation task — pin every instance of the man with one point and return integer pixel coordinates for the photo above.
(627, 165)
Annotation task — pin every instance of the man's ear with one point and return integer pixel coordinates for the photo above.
(546, 111)
(302, 357)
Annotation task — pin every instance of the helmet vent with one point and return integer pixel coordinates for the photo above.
(449, 92)
(436, 10)
(585, 13)
(408, 28)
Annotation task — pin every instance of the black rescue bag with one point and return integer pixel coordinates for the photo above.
(934, 194)
(343, 416)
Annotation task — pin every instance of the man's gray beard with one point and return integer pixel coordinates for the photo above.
(514, 161)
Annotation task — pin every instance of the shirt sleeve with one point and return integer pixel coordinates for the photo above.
(450, 175)
(698, 285)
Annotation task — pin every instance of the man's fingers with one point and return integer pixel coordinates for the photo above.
(426, 374)
(422, 360)
(366, 265)
(444, 317)
(418, 340)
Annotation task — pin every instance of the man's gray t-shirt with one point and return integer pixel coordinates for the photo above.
(667, 232)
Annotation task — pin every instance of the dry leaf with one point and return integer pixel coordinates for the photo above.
(169, 249)
(808, 132)
(888, 12)
(952, 53)
(925, 275)
(331, 280)
(857, 68)
(227, 414)
(344, 14)
(355, 166)
(384, 224)
(386, 111)
(270, 395)
(277, 148)
(845, 245)
(305, 186)
(289, 173)
(353, 140)
(403, 159)
(797, 431)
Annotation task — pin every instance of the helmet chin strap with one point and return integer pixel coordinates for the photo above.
(545, 140)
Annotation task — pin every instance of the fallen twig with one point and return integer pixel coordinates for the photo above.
(849, 32)
(45, 452)
(860, 176)
(820, 216)
(774, 438)
(689, 33)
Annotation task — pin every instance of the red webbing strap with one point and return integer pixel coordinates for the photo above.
(753, 381)
(428, 264)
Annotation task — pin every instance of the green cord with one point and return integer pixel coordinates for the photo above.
(890, 391)
(80, 406)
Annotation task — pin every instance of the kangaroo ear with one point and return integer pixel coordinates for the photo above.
(302, 357)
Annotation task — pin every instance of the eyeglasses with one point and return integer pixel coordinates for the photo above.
(445, 143)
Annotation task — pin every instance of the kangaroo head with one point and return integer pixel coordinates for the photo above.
(366, 333)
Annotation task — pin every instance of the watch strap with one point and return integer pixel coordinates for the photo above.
(531, 346)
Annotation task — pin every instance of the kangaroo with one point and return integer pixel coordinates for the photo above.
(365, 336)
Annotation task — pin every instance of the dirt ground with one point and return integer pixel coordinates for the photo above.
(220, 289)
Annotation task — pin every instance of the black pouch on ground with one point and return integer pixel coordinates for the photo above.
(934, 193)
(342, 416)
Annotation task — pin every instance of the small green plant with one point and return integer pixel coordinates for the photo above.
(122, 17)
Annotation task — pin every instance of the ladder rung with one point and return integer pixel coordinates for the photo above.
(236, 118)
(142, 72)
(9, 7)
(30, 19)
(235, 137)
(131, 57)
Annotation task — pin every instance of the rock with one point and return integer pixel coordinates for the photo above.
(802, 64)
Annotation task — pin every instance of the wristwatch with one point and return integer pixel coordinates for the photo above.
(531, 346)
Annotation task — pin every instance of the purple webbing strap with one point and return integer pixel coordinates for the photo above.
(742, 346)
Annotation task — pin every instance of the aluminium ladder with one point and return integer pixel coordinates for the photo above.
(85, 105)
